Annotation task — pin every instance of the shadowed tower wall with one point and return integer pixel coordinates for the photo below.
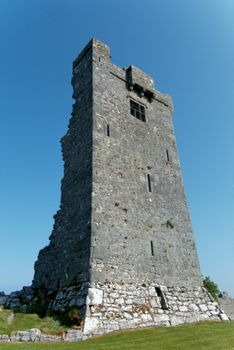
(122, 235)
(65, 261)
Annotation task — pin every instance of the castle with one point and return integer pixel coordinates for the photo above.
(122, 248)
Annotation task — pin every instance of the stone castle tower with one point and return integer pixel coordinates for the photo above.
(122, 248)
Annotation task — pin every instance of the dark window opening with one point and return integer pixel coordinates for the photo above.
(168, 156)
(108, 130)
(137, 111)
(149, 183)
(152, 248)
(162, 298)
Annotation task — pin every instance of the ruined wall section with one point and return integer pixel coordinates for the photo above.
(65, 261)
(127, 219)
(227, 304)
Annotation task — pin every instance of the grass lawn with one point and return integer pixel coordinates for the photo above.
(202, 336)
(22, 321)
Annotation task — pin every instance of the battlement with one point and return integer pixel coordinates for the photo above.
(102, 49)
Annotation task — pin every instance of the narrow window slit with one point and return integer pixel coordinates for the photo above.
(152, 248)
(108, 130)
(168, 156)
(162, 298)
(149, 183)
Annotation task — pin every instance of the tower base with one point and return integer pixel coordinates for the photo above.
(116, 306)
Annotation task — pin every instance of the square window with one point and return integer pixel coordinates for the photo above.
(138, 111)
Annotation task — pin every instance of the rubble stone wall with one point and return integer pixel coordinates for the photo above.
(113, 306)
(227, 304)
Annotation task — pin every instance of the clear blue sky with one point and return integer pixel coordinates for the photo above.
(187, 46)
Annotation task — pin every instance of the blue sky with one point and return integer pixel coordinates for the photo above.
(187, 46)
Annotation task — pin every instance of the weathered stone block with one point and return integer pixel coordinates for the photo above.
(176, 320)
(95, 296)
(73, 335)
(203, 308)
(93, 325)
(4, 338)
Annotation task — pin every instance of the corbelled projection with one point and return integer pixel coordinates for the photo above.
(122, 248)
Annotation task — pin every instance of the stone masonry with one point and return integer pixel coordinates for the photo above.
(227, 304)
(122, 249)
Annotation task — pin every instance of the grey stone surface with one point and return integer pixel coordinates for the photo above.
(3, 299)
(31, 335)
(4, 338)
(73, 335)
(35, 335)
(18, 300)
(182, 305)
(10, 318)
(44, 338)
(227, 304)
(66, 261)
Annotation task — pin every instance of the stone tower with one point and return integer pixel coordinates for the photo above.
(122, 248)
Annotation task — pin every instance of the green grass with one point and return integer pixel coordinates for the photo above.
(202, 336)
(23, 321)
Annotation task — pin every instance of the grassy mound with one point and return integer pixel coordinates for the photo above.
(202, 336)
(10, 322)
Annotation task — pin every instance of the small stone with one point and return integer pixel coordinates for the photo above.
(146, 317)
(4, 338)
(152, 291)
(203, 308)
(119, 301)
(95, 296)
(224, 317)
(183, 308)
(73, 335)
(193, 307)
(91, 325)
(127, 308)
(161, 318)
(153, 302)
(114, 295)
(175, 320)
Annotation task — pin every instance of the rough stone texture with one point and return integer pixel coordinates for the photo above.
(73, 335)
(35, 335)
(3, 298)
(124, 255)
(31, 335)
(130, 305)
(66, 260)
(18, 300)
(126, 217)
(4, 338)
(227, 304)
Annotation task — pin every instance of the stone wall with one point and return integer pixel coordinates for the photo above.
(34, 335)
(65, 261)
(227, 304)
(113, 306)
(128, 219)
(109, 225)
